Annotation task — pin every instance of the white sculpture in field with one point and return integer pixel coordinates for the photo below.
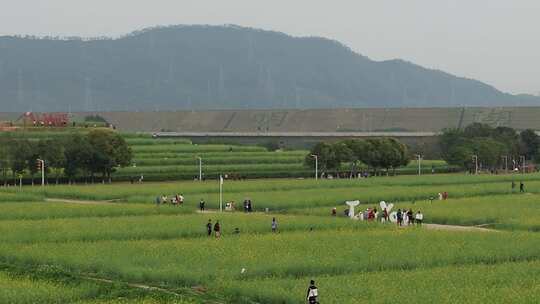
(392, 216)
(352, 204)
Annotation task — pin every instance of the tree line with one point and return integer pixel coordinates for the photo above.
(498, 147)
(96, 153)
(375, 153)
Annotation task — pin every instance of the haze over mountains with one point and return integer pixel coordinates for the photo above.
(220, 67)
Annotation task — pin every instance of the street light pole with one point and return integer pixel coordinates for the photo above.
(200, 168)
(316, 166)
(42, 167)
(475, 159)
(419, 158)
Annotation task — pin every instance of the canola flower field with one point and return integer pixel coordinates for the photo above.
(113, 244)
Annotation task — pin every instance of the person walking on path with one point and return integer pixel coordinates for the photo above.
(274, 225)
(521, 187)
(201, 205)
(217, 229)
(312, 293)
(209, 228)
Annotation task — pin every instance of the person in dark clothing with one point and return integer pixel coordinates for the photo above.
(521, 187)
(312, 293)
(399, 217)
(410, 216)
(217, 229)
(246, 208)
(250, 207)
(201, 205)
(209, 228)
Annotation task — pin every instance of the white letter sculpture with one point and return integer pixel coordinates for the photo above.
(391, 215)
(352, 204)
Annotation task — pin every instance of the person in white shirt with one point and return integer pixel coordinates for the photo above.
(419, 217)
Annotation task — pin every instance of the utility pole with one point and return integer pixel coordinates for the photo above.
(200, 168)
(220, 193)
(475, 159)
(41, 166)
(505, 158)
(316, 166)
(419, 158)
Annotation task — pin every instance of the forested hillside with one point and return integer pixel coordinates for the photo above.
(210, 67)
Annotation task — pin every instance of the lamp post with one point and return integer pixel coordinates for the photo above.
(475, 159)
(316, 166)
(505, 159)
(419, 159)
(41, 166)
(200, 167)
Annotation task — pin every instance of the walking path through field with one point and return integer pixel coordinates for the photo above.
(478, 228)
(82, 202)
(458, 228)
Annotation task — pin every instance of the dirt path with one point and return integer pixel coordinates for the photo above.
(457, 228)
(193, 292)
(82, 202)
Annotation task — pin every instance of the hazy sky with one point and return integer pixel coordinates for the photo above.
(496, 41)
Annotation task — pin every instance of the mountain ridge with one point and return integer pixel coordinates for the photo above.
(220, 67)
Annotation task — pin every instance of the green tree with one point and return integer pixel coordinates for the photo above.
(20, 151)
(53, 152)
(478, 130)
(110, 151)
(5, 156)
(530, 144)
(326, 157)
(78, 155)
(489, 152)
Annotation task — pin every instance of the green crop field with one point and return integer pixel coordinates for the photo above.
(111, 243)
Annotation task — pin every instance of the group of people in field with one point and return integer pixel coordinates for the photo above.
(174, 200)
(215, 229)
(409, 218)
(401, 218)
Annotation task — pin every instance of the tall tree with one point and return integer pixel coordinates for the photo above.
(110, 150)
(530, 144)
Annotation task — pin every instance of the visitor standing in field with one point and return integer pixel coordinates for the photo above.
(410, 216)
(385, 216)
(245, 205)
(250, 206)
(521, 187)
(274, 225)
(399, 217)
(312, 293)
(419, 218)
(209, 227)
(201, 205)
(217, 229)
